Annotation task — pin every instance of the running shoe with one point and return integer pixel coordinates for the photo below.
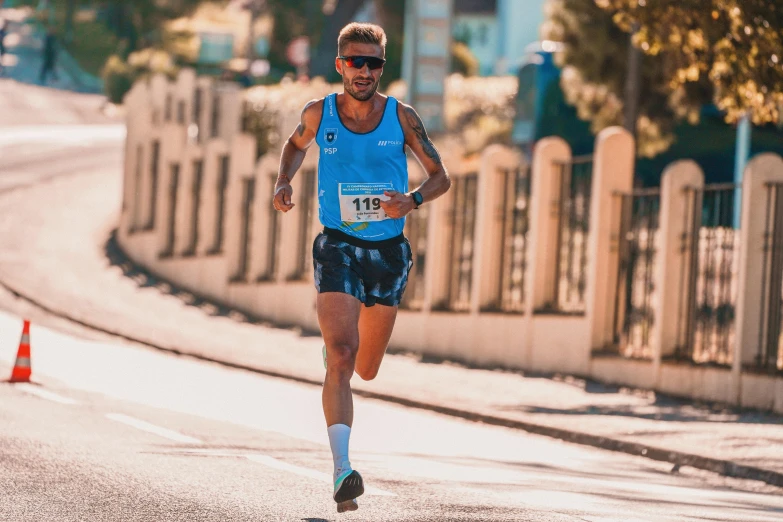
(348, 505)
(348, 485)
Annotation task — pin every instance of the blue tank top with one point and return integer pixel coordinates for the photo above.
(354, 169)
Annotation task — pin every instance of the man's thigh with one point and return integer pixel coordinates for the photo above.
(376, 324)
(338, 317)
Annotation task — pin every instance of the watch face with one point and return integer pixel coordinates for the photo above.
(418, 198)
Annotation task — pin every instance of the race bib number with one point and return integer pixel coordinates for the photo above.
(362, 201)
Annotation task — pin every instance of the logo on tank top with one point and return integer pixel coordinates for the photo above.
(330, 135)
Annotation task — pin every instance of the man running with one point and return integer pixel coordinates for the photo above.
(361, 259)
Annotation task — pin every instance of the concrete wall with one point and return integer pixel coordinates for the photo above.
(188, 218)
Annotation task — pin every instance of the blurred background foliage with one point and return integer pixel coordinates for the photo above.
(704, 63)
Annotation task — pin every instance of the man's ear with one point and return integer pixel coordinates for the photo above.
(338, 65)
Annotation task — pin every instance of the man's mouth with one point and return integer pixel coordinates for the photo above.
(362, 83)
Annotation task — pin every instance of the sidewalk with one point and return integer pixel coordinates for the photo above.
(53, 252)
(23, 58)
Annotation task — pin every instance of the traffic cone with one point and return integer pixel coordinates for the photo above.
(22, 368)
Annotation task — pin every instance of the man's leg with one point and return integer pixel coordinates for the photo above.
(376, 324)
(338, 317)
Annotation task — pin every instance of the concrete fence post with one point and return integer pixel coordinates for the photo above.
(673, 267)
(613, 169)
(544, 220)
(487, 254)
(763, 170)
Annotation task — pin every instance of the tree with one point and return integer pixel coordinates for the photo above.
(322, 21)
(140, 22)
(690, 60)
(595, 65)
(736, 44)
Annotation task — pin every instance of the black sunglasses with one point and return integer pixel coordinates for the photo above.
(357, 62)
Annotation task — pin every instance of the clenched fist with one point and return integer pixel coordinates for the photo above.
(398, 204)
(282, 199)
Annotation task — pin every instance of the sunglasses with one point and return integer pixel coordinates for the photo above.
(357, 62)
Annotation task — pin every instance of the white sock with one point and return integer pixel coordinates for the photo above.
(339, 434)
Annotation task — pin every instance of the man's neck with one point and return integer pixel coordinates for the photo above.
(359, 110)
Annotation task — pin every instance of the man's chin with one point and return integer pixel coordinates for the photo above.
(362, 96)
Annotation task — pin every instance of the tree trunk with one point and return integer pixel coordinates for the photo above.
(322, 60)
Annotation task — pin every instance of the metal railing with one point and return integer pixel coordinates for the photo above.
(634, 316)
(416, 232)
(220, 205)
(215, 116)
(271, 247)
(770, 348)
(514, 221)
(154, 171)
(195, 207)
(576, 177)
(171, 223)
(307, 203)
(710, 247)
(463, 228)
(245, 230)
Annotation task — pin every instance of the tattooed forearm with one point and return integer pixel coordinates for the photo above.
(418, 128)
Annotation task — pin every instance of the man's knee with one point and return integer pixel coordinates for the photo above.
(341, 358)
(367, 373)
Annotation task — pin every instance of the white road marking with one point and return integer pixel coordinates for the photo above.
(284, 466)
(44, 394)
(60, 133)
(305, 472)
(151, 428)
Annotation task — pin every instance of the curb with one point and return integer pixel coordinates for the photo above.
(722, 467)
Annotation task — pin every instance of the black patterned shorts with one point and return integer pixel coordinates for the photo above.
(371, 275)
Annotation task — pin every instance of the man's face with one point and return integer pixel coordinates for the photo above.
(362, 83)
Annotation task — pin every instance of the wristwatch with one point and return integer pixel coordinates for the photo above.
(418, 199)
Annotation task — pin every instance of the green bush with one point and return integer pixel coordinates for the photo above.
(119, 76)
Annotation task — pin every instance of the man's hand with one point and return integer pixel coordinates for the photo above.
(398, 204)
(282, 200)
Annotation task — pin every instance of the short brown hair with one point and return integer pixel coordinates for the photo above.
(361, 33)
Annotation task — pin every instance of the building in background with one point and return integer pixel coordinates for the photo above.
(498, 31)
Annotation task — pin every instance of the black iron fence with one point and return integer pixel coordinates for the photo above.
(416, 232)
(463, 227)
(710, 247)
(514, 221)
(307, 202)
(576, 177)
(634, 316)
(770, 348)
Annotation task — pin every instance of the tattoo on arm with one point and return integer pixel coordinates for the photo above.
(418, 128)
(302, 124)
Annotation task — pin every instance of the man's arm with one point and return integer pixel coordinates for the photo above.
(437, 182)
(294, 152)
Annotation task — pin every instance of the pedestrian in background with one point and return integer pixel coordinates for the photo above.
(49, 56)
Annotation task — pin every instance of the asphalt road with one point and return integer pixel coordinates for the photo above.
(119, 432)
(114, 431)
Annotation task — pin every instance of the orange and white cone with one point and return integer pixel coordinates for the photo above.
(22, 369)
